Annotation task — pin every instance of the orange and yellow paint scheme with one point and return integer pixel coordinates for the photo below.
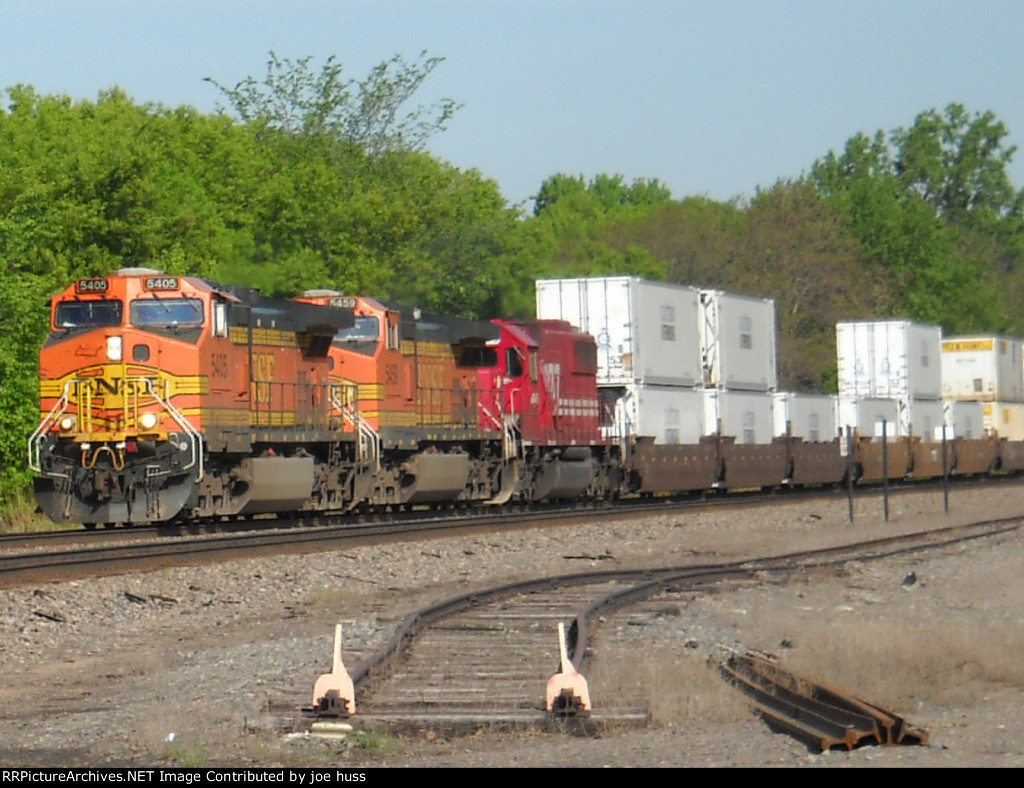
(403, 373)
(144, 375)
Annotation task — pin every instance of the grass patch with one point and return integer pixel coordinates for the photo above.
(188, 755)
(18, 515)
(374, 743)
(674, 684)
(883, 662)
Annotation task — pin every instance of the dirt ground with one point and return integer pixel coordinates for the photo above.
(91, 677)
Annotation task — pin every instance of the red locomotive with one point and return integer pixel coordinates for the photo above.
(545, 374)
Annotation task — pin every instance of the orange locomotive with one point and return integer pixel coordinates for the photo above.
(407, 384)
(171, 397)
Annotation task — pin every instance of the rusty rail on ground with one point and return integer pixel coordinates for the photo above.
(822, 716)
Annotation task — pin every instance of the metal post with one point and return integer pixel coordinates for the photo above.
(885, 469)
(945, 472)
(849, 469)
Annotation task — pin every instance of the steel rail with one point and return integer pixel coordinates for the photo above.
(624, 508)
(652, 581)
(821, 715)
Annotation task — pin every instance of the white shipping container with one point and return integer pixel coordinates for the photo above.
(983, 368)
(865, 415)
(889, 359)
(745, 415)
(922, 418)
(808, 416)
(738, 341)
(670, 414)
(964, 419)
(1005, 419)
(648, 333)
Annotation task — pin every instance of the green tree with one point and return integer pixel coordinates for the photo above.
(797, 251)
(605, 191)
(957, 163)
(919, 201)
(297, 100)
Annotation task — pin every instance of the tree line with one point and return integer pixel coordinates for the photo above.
(306, 178)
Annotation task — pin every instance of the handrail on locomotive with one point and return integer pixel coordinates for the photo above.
(79, 391)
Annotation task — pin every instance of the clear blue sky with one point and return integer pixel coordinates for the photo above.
(712, 97)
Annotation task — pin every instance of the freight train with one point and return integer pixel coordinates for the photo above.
(176, 399)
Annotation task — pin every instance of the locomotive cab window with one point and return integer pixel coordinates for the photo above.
(513, 363)
(163, 312)
(361, 337)
(365, 329)
(220, 319)
(478, 357)
(88, 314)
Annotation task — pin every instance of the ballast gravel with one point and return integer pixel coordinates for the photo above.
(203, 666)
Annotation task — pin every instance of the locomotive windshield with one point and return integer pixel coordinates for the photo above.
(88, 314)
(152, 312)
(366, 329)
(473, 356)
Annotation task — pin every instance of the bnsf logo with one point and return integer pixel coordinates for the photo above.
(101, 386)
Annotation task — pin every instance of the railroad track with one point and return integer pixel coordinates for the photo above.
(72, 555)
(483, 659)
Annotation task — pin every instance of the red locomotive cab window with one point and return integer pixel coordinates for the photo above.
(513, 363)
(478, 357)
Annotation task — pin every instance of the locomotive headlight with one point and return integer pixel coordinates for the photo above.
(67, 423)
(147, 421)
(115, 348)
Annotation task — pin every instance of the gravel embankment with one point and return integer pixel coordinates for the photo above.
(104, 671)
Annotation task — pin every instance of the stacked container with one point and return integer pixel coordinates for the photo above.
(893, 361)
(737, 341)
(661, 347)
(812, 417)
(966, 419)
(1005, 419)
(983, 369)
(988, 371)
